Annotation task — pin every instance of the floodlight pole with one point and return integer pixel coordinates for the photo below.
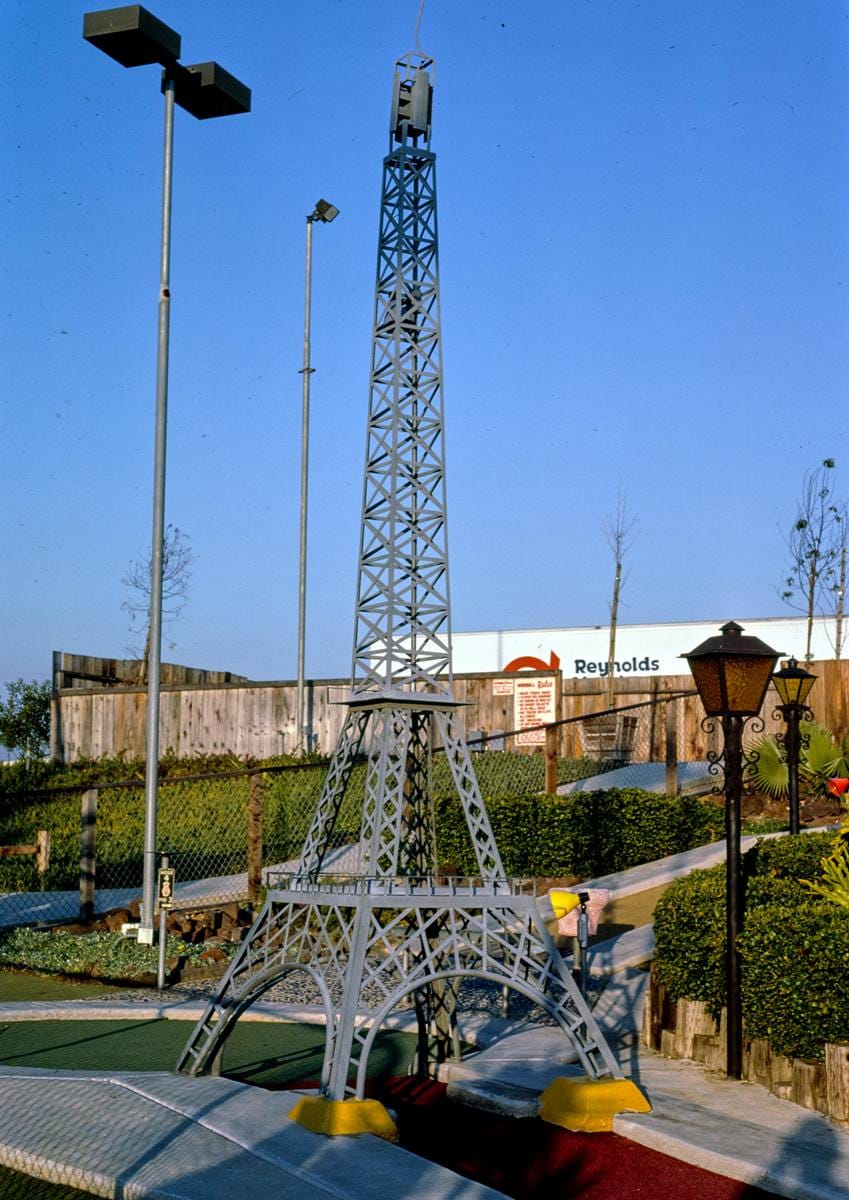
(306, 371)
(157, 541)
(325, 213)
(134, 37)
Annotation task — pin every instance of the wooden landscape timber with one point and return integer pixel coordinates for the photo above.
(685, 1029)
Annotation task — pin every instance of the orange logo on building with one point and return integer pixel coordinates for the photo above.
(528, 663)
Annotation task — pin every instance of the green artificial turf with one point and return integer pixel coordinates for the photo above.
(16, 985)
(271, 1054)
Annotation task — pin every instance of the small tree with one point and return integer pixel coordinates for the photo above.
(177, 562)
(840, 596)
(620, 529)
(816, 581)
(25, 718)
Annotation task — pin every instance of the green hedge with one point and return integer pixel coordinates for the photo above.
(794, 948)
(586, 834)
(203, 823)
(791, 857)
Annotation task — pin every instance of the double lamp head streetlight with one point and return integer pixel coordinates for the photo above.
(134, 37)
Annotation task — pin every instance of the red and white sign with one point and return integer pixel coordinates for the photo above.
(533, 704)
(502, 687)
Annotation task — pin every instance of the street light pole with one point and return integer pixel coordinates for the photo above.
(151, 774)
(134, 37)
(326, 213)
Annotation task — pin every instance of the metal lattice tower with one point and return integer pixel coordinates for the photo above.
(393, 929)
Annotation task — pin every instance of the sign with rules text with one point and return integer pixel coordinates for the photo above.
(534, 704)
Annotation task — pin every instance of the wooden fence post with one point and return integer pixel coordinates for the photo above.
(88, 853)
(42, 853)
(672, 747)
(256, 788)
(551, 759)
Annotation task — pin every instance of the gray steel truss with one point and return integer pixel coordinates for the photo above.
(371, 944)
(395, 932)
(402, 621)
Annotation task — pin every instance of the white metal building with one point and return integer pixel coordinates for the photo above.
(581, 652)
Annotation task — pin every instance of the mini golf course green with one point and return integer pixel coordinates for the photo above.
(270, 1054)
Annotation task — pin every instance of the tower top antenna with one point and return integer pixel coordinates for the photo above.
(418, 26)
(412, 98)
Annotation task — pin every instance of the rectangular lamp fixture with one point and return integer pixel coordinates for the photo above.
(132, 36)
(207, 90)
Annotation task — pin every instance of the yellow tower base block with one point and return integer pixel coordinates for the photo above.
(340, 1117)
(589, 1105)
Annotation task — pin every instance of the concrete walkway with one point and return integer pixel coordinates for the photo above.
(167, 1137)
(739, 1130)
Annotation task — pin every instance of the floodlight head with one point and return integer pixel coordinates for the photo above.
(206, 90)
(132, 36)
(325, 212)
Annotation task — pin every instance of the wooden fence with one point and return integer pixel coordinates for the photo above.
(257, 720)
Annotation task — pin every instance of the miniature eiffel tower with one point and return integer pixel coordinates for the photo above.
(393, 930)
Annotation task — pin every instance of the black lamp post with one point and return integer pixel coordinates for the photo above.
(134, 37)
(732, 673)
(793, 685)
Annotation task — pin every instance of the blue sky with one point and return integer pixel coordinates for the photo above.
(644, 243)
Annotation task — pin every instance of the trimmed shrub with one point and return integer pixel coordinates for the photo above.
(795, 950)
(795, 982)
(623, 827)
(689, 938)
(792, 857)
(587, 834)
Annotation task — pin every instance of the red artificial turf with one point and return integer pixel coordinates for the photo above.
(532, 1160)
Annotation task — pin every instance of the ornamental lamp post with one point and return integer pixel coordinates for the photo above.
(134, 37)
(732, 673)
(793, 684)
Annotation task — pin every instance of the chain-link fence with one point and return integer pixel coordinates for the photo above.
(219, 828)
(636, 745)
(71, 852)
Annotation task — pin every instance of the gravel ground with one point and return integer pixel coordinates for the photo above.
(477, 996)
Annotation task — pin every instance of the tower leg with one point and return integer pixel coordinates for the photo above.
(465, 780)
(320, 832)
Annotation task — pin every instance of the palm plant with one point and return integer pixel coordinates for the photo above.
(821, 758)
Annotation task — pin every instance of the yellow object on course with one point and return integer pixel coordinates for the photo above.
(340, 1117)
(563, 902)
(589, 1105)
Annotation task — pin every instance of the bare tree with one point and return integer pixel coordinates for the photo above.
(177, 562)
(840, 597)
(620, 529)
(816, 580)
